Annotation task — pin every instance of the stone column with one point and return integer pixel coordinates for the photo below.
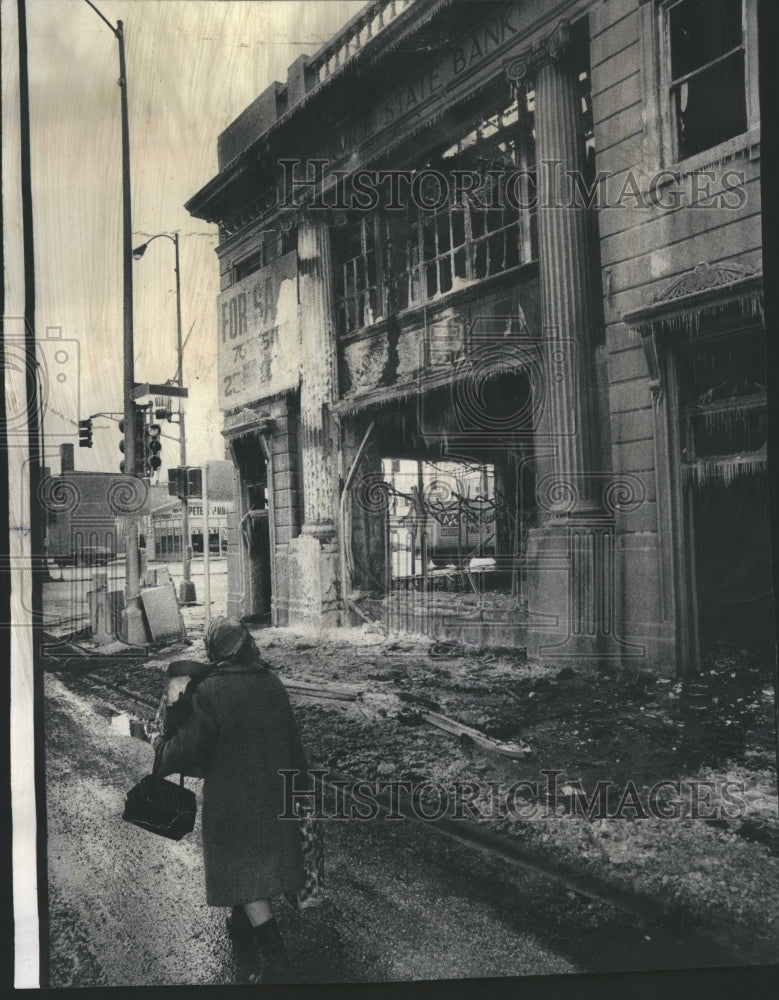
(570, 558)
(313, 569)
(564, 265)
(319, 376)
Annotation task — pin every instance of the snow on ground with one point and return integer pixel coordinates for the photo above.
(708, 854)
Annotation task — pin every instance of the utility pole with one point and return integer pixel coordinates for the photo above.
(134, 629)
(206, 547)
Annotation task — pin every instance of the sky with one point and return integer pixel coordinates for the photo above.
(192, 67)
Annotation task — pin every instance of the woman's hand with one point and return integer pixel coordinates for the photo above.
(157, 741)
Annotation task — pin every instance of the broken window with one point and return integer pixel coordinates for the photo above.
(441, 516)
(357, 275)
(275, 243)
(391, 261)
(707, 73)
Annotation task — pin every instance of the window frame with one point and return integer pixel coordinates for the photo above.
(664, 83)
(431, 256)
(268, 246)
(354, 290)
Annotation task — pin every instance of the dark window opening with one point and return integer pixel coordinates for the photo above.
(247, 266)
(356, 275)
(707, 68)
(275, 243)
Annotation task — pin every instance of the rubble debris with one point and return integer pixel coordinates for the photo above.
(419, 699)
(445, 650)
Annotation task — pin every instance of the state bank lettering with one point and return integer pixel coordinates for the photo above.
(454, 64)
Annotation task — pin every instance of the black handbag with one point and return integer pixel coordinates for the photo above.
(161, 806)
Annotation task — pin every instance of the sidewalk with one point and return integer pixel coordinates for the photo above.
(702, 853)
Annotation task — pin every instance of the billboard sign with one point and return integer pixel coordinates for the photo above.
(259, 334)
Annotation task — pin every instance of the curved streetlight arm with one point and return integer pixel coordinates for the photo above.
(103, 18)
(139, 251)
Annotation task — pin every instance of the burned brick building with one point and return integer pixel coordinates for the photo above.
(490, 329)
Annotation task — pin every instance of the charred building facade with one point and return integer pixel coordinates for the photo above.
(490, 329)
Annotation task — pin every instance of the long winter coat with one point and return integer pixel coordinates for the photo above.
(242, 732)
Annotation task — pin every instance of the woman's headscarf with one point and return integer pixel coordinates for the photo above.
(230, 641)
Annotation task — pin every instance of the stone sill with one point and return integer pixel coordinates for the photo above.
(748, 143)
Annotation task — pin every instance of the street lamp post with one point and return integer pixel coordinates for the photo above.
(187, 586)
(135, 631)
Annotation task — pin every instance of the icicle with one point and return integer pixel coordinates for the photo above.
(724, 470)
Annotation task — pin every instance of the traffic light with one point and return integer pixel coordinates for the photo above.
(85, 433)
(139, 422)
(195, 483)
(185, 481)
(177, 482)
(153, 447)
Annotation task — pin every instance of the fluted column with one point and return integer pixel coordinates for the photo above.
(319, 375)
(565, 287)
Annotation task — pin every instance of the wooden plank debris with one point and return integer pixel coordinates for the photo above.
(321, 691)
(516, 751)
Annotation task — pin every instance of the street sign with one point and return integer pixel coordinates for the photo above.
(152, 389)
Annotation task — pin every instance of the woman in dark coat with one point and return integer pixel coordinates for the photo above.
(239, 734)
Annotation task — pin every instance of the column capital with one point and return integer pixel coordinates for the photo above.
(293, 218)
(552, 48)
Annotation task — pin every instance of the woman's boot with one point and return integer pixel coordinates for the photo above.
(276, 967)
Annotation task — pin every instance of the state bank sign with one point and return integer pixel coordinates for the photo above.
(259, 334)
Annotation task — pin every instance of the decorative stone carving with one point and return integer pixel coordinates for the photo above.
(517, 70)
(555, 48)
(703, 277)
(558, 44)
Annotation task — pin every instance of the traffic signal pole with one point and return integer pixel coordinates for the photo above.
(134, 630)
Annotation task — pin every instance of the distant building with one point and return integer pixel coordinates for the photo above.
(520, 397)
(80, 515)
